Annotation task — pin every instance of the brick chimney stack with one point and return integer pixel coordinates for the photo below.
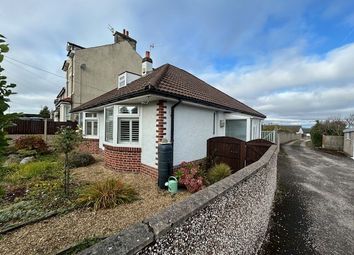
(146, 64)
(120, 37)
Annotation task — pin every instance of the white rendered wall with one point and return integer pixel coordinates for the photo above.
(193, 127)
(148, 134)
(101, 130)
(256, 129)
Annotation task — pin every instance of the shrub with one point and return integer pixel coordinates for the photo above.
(316, 134)
(218, 172)
(107, 194)
(31, 143)
(80, 159)
(190, 177)
(41, 170)
(22, 210)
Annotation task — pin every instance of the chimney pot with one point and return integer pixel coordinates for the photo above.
(124, 31)
(147, 54)
(127, 33)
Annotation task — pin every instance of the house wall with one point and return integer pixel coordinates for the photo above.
(148, 145)
(101, 128)
(193, 127)
(349, 143)
(103, 65)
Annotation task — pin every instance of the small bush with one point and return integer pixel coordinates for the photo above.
(107, 194)
(80, 159)
(190, 177)
(31, 143)
(218, 172)
(27, 153)
(41, 170)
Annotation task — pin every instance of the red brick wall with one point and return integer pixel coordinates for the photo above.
(90, 146)
(122, 159)
(160, 125)
(148, 170)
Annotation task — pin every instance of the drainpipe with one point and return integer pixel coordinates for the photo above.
(173, 125)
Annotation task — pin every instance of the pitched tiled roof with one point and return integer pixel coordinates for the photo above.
(171, 81)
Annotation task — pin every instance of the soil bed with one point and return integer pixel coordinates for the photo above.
(54, 234)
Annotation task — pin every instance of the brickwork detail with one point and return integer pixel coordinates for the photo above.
(90, 145)
(148, 170)
(122, 159)
(160, 124)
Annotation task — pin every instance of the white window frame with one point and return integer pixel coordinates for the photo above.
(130, 117)
(91, 119)
(104, 121)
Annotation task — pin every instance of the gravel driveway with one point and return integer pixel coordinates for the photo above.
(314, 208)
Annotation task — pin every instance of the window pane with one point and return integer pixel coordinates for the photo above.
(124, 127)
(237, 129)
(88, 128)
(88, 115)
(95, 127)
(135, 130)
(128, 109)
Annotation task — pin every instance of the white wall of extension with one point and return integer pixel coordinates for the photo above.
(193, 127)
(148, 134)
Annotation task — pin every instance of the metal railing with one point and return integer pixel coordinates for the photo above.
(270, 136)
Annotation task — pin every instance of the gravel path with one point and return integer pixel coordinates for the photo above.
(54, 234)
(314, 209)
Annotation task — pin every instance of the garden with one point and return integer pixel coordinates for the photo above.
(59, 200)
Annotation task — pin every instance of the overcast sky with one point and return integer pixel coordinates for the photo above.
(291, 60)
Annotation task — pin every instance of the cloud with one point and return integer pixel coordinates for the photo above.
(292, 85)
(264, 53)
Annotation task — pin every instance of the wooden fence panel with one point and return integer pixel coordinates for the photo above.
(228, 150)
(255, 149)
(36, 127)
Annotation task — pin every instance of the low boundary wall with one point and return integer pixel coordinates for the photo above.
(285, 137)
(332, 142)
(228, 217)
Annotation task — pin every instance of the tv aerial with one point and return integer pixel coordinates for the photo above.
(111, 29)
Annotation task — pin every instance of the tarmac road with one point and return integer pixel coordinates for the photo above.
(314, 207)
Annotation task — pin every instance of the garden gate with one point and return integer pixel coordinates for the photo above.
(228, 150)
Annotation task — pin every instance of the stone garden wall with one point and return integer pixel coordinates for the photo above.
(229, 217)
(332, 142)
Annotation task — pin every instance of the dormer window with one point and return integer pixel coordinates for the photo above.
(125, 78)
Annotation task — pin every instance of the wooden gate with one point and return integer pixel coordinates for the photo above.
(255, 149)
(228, 150)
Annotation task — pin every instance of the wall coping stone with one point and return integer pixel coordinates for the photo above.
(123, 149)
(140, 235)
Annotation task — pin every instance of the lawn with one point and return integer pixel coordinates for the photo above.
(60, 232)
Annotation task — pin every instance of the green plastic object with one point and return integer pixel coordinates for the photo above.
(172, 184)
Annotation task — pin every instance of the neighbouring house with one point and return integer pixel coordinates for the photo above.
(307, 132)
(91, 72)
(164, 104)
(349, 141)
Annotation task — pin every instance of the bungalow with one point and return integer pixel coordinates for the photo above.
(163, 104)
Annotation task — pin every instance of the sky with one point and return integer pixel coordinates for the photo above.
(291, 60)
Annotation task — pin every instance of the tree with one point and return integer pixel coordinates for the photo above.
(44, 112)
(5, 91)
(65, 141)
(350, 120)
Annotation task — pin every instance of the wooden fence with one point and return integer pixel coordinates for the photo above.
(235, 152)
(37, 127)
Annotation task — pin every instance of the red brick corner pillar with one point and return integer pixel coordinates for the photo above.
(122, 159)
(90, 145)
